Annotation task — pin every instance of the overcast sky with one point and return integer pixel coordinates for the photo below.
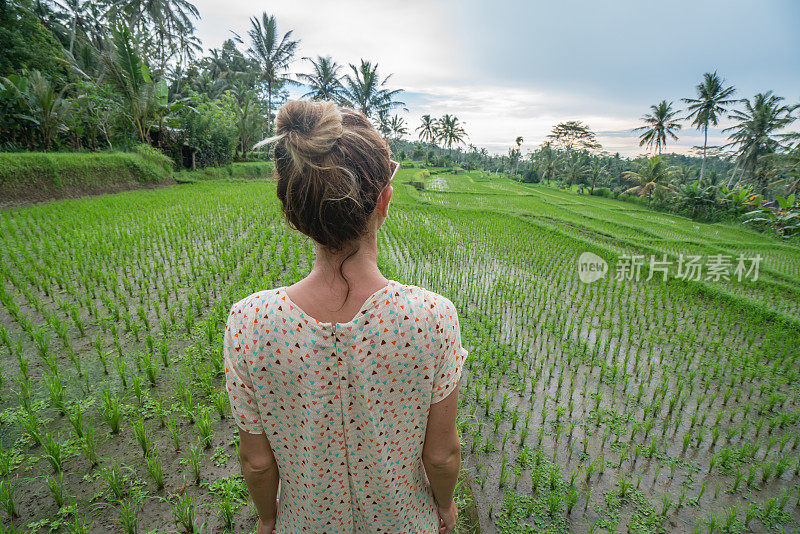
(507, 68)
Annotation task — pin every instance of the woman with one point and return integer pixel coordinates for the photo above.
(344, 385)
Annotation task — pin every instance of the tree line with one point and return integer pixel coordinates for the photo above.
(81, 75)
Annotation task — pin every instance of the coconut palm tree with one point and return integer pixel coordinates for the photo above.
(247, 115)
(575, 168)
(398, 127)
(658, 125)
(653, 173)
(449, 132)
(273, 53)
(518, 141)
(364, 90)
(427, 132)
(713, 99)
(597, 171)
(547, 162)
(44, 108)
(324, 82)
(756, 131)
(513, 158)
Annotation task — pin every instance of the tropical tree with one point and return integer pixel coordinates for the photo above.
(653, 173)
(144, 102)
(713, 99)
(513, 158)
(756, 132)
(364, 90)
(573, 135)
(324, 82)
(398, 127)
(449, 132)
(247, 116)
(575, 168)
(44, 108)
(273, 53)
(597, 172)
(547, 162)
(427, 132)
(658, 125)
(518, 141)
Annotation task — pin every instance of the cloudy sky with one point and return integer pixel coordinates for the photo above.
(509, 68)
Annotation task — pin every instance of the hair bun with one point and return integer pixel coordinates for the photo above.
(309, 130)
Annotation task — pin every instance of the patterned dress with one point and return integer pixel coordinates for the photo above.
(345, 405)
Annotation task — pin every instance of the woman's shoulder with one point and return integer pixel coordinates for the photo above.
(425, 301)
(257, 304)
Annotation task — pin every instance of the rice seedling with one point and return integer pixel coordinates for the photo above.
(183, 510)
(143, 435)
(174, 430)
(194, 460)
(203, 425)
(53, 452)
(116, 480)
(111, 412)
(155, 469)
(89, 447)
(130, 511)
(7, 501)
(55, 484)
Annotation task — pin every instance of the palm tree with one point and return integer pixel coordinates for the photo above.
(513, 158)
(383, 124)
(518, 141)
(324, 81)
(711, 102)
(597, 171)
(756, 131)
(168, 19)
(76, 9)
(575, 168)
(653, 173)
(273, 53)
(246, 110)
(427, 132)
(365, 91)
(450, 132)
(46, 109)
(659, 125)
(398, 127)
(547, 162)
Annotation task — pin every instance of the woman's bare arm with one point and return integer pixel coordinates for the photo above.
(441, 453)
(260, 472)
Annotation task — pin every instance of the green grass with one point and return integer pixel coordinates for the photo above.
(38, 175)
(46, 176)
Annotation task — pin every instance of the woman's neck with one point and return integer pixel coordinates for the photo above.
(359, 267)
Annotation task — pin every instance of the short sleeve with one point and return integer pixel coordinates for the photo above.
(239, 384)
(452, 356)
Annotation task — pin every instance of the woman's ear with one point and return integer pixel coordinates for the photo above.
(382, 206)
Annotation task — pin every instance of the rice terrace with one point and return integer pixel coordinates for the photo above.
(631, 315)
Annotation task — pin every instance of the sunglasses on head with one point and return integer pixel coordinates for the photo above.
(395, 168)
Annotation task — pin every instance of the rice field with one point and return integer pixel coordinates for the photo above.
(622, 405)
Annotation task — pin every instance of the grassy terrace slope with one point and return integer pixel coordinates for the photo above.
(615, 406)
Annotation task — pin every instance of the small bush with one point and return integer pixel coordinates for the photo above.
(603, 192)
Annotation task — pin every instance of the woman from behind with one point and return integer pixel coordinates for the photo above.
(344, 385)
